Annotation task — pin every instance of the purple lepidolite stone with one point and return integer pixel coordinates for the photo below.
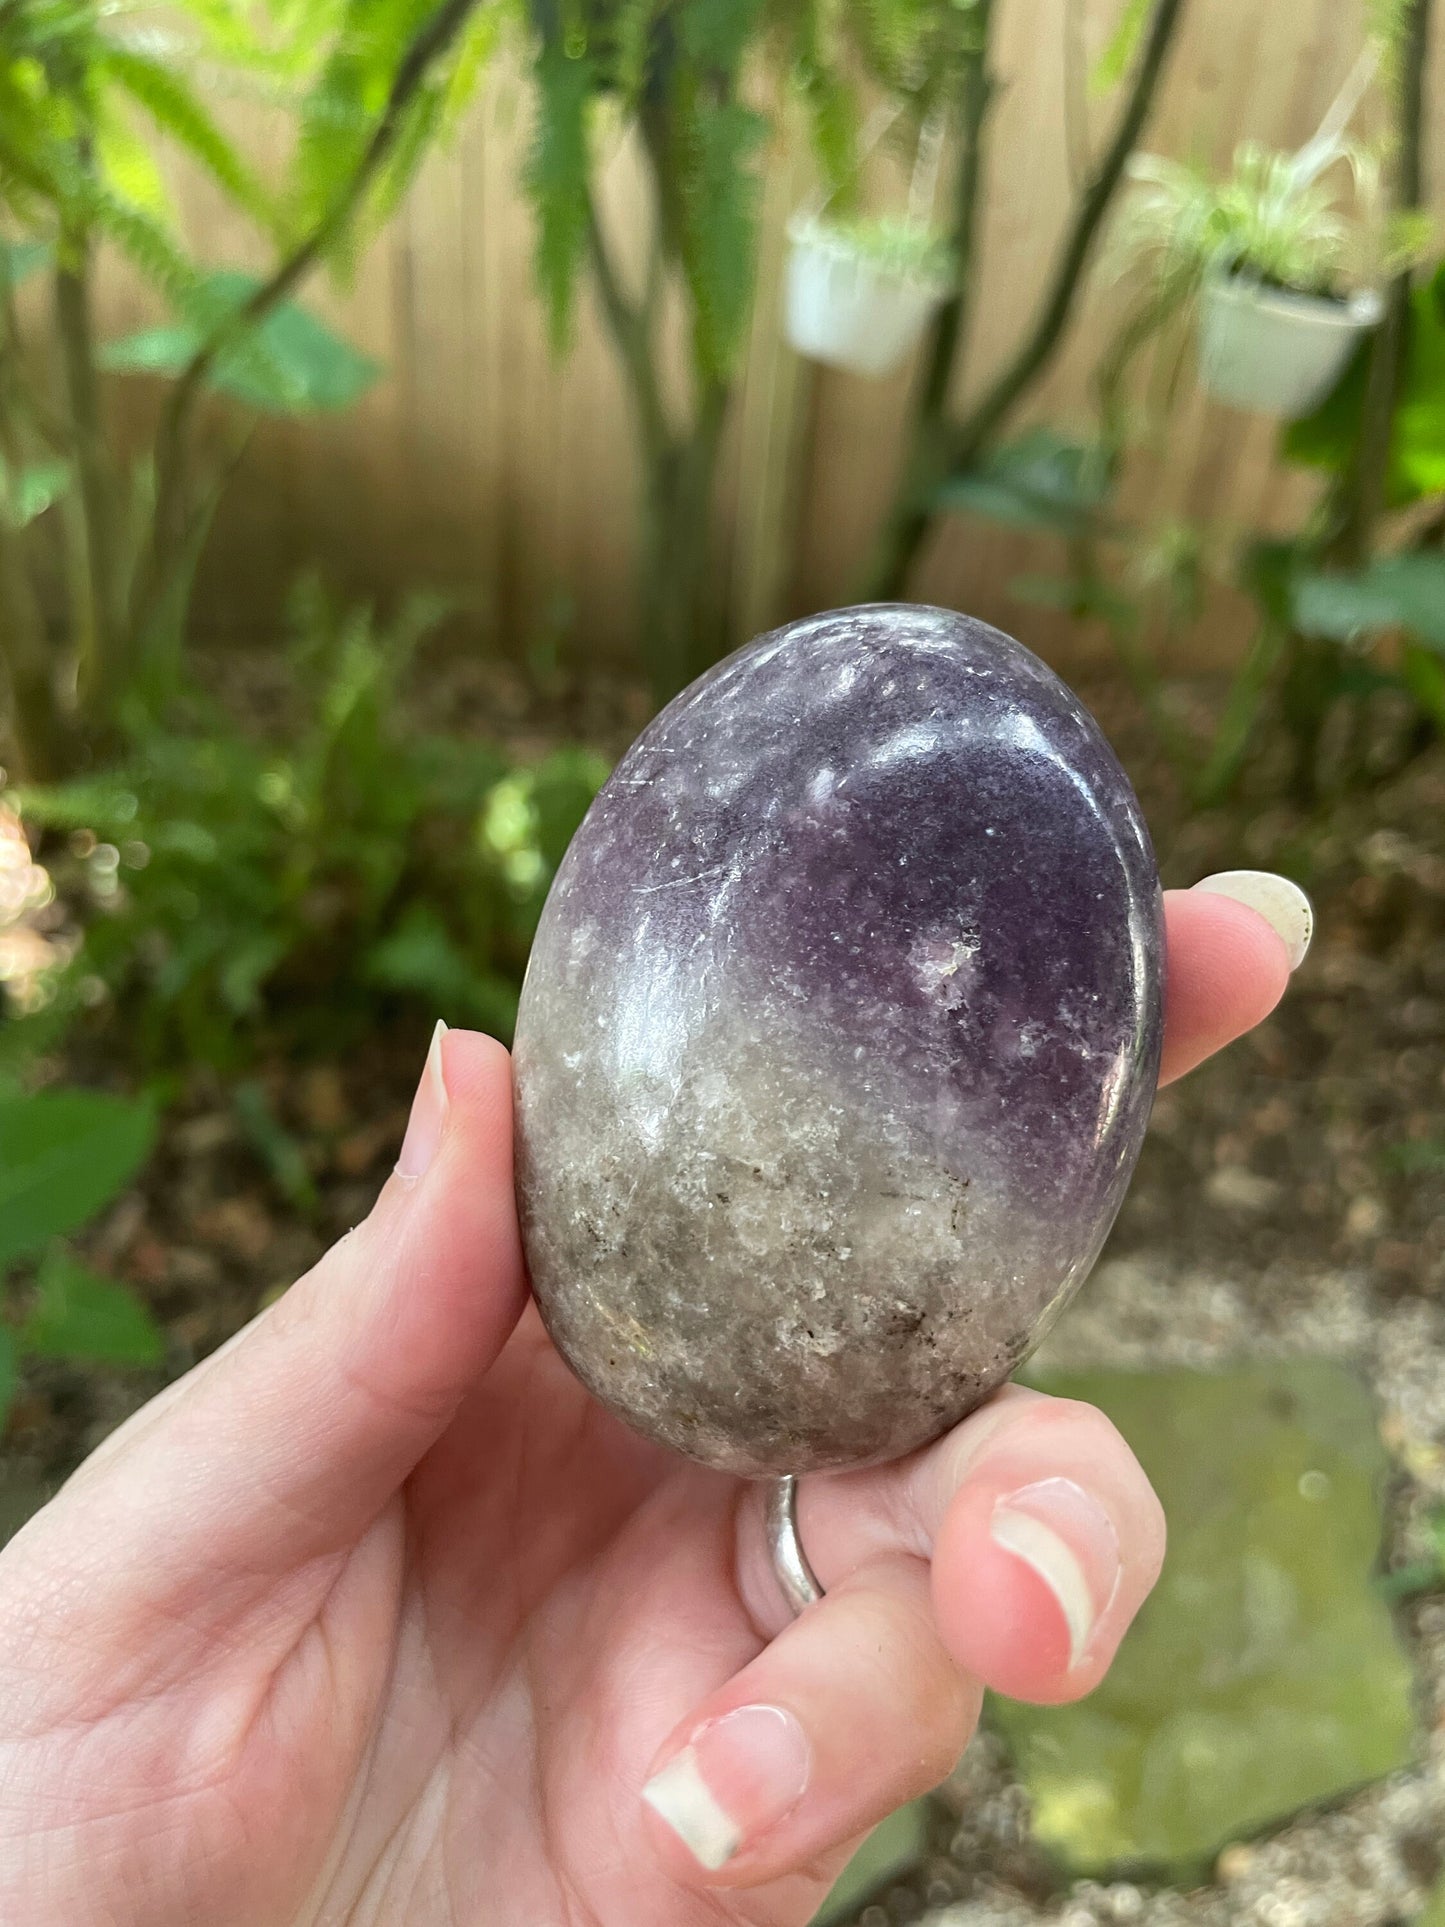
(837, 1043)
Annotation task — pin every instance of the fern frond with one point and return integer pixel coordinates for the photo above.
(177, 112)
(823, 79)
(148, 244)
(128, 163)
(715, 33)
(630, 48)
(479, 41)
(350, 92)
(556, 179)
(718, 198)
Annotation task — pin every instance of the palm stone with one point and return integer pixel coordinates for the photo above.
(837, 1042)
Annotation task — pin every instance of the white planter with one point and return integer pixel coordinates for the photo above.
(848, 311)
(1279, 353)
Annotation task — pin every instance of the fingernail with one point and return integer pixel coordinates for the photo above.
(1066, 1537)
(738, 1776)
(1282, 904)
(428, 1113)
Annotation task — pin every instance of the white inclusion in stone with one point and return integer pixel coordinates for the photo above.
(1031, 1035)
(942, 965)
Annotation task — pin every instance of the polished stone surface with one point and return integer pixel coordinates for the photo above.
(837, 1043)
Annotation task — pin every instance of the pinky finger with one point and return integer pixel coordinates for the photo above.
(852, 1710)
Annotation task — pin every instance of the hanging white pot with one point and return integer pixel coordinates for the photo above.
(1274, 350)
(849, 310)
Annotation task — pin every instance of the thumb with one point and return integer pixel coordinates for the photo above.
(283, 1446)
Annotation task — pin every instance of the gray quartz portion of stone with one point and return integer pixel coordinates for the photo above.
(837, 1042)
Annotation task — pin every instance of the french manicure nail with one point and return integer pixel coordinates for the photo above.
(1282, 904)
(428, 1113)
(1066, 1537)
(737, 1777)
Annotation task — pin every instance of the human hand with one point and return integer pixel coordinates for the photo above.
(376, 1617)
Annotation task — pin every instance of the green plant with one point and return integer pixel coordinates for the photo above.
(64, 1155)
(1274, 218)
(1425, 1575)
(246, 890)
(894, 246)
(89, 94)
(942, 449)
(1345, 605)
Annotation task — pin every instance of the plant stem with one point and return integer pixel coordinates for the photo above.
(632, 338)
(37, 730)
(676, 633)
(168, 530)
(36, 725)
(926, 462)
(679, 633)
(99, 579)
(1365, 484)
(964, 442)
(1236, 723)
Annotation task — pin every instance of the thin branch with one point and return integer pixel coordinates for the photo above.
(47, 423)
(26, 679)
(1043, 339)
(1363, 491)
(950, 328)
(430, 43)
(928, 431)
(101, 574)
(431, 40)
(953, 446)
(631, 335)
(1077, 141)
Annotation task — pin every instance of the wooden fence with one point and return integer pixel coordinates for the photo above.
(481, 464)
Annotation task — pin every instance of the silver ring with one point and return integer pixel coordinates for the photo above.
(796, 1577)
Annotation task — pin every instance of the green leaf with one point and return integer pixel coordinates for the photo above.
(80, 1315)
(719, 198)
(8, 1374)
(30, 491)
(150, 247)
(715, 34)
(1415, 1155)
(279, 1149)
(246, 969)
(1423, 674)
(106, 804)
(1326, 439)
(19, 259)
(369, 40)
(177, 111)
(64, 1154)
(290, 364)
(129, 166)
(421, 957)
(1396, 592)
(556, 178)
(1040, 481)
(562, 789)
(1118, 55)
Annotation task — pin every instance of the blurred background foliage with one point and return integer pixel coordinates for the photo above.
(237, 885)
